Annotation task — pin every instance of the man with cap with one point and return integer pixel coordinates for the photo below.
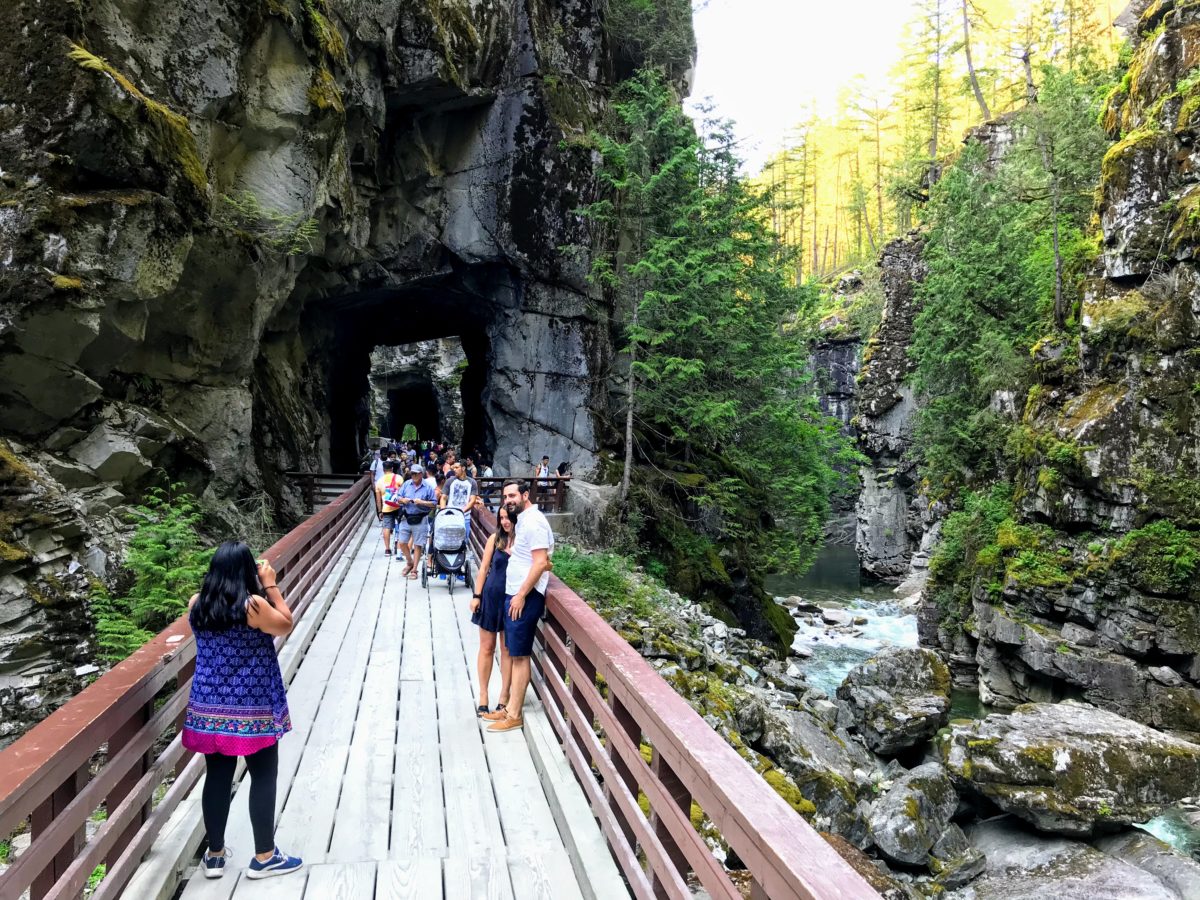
(417, 498)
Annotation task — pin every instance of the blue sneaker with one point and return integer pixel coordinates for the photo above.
(214, 866)
(279, 864)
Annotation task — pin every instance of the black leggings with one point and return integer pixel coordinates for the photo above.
(218, 785)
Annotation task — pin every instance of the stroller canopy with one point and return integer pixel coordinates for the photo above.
(449, 529)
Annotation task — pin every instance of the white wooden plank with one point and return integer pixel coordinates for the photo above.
(307, 821)
(342, 881)
(409, 879)
(418, 812)
(416, 663)
(477, 878)
(545, 874)
(472, 821)
(277, 887)
(364, 813)
(201, 888)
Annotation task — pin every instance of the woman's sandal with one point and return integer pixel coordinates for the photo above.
(480, 710)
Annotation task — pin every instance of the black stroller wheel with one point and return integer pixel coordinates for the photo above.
(424, 574)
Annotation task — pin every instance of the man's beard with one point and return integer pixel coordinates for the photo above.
(513, 508)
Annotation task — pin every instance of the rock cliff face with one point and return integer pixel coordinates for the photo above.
(211, 213)
(887, 531)
(1097, 597)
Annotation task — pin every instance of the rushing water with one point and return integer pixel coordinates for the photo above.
(834, 581)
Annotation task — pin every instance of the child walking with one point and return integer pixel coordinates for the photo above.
(238, 706)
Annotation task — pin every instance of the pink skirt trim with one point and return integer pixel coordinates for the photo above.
(226, 744)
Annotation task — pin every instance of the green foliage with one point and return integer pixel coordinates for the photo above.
(726, 424)
(95, 878)
(167, 560)
(990, 290)
(1161, 557)
(5, 850)
(605, 580)
(969, 549)
(652, 33)
(244, 214)
(409, 433)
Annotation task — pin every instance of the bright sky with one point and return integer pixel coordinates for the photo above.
(764, 62)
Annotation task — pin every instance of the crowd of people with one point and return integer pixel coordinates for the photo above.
(237, 707)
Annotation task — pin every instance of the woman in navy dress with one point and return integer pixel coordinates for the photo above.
(238, 705)
(487, 610)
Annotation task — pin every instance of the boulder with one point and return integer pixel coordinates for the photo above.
(953, 860)
(1071, 768)
(1022, 865)
(898, 699)
(911, 817)
(1178, 872)
(836, 617)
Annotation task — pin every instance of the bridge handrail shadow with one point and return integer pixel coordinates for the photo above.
(592, 682)
(47, 772)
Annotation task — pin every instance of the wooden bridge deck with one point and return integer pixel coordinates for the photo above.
(389, 786)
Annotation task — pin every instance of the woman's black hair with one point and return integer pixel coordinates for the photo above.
(232, 577)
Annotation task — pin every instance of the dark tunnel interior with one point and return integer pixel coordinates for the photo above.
(442, 307)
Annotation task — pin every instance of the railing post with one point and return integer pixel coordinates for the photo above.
(43, 815)
(682, 798)
(120, 738)
(629, 725)
(559, 665)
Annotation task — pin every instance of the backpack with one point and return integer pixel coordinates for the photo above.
(391, 495)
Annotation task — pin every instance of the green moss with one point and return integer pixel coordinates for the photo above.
(1094, 405)
(12, 469)
(568, 102)
(323, 92)
(789, 792)
(66, 283)
(456, 35)
(1118, 162)
(912, 809)
(170, 129)
(647, 753)
(323, 32)
(9, 553)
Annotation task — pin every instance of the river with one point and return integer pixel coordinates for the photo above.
(834, 581)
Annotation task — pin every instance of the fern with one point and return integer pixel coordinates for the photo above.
(167, 560)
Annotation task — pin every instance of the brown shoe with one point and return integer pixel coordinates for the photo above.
(507, 725)
(495, 715)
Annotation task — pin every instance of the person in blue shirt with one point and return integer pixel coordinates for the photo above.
(418, 498)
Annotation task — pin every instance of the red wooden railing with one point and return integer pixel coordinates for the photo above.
(602, 734)
(47, 775)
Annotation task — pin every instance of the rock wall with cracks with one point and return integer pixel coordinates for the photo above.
(205, 207)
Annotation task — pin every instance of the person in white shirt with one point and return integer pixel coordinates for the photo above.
(525, 595)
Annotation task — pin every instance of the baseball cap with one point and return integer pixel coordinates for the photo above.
(415, 469)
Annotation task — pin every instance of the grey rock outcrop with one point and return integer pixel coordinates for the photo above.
(1072, 769)
(914, 814)
(419, 384)
(1106, 493)
(1022, 865)
(897, 699)
(885, 406)
(213, 212)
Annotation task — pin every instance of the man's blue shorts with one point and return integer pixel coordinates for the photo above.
(518, 633)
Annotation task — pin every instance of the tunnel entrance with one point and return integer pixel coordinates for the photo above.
(412, 402)
(416, 355)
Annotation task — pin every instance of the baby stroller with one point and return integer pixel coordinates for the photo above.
(447, 553)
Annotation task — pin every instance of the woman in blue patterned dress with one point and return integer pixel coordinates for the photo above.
(238, 706)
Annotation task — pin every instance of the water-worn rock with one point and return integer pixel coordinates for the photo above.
(897, 699)
(1071, 768)
(1178, 872)
(1022, 865)
(953, 860)
(911, 817)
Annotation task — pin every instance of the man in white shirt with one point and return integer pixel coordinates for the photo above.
(524, 596)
